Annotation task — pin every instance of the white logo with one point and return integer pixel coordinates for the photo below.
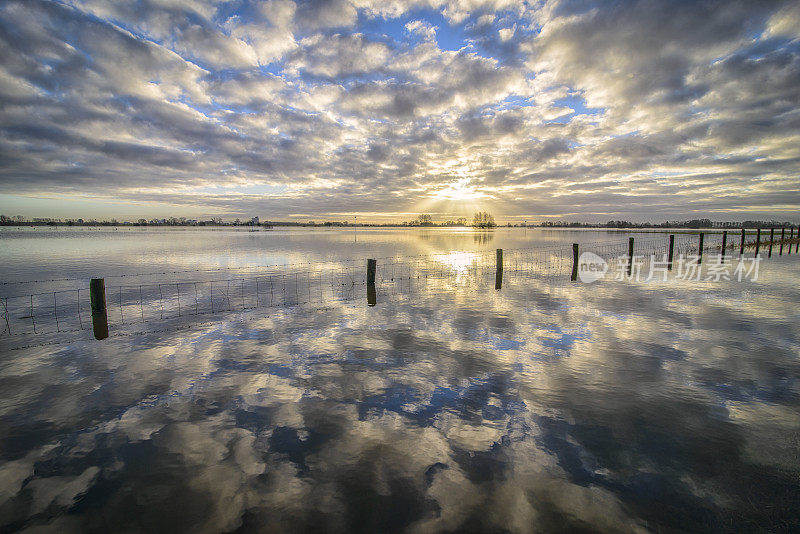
(591, 267)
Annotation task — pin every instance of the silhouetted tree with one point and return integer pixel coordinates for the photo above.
(483, 219)
(424, 220)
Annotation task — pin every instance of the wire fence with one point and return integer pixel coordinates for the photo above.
(70, 310)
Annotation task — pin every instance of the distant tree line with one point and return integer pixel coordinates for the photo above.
(693, 223)
(481, 219)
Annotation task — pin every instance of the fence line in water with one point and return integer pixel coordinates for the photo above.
(73, 310)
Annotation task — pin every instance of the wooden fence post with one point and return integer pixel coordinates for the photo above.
(671, 253)
(741, 245)
(758, 240)
(771, 238)
(783, 233)
(498, 277)
(97, 295)
(724, 246)
(574, 262)
(700, 249)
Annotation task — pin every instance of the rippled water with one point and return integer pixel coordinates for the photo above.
(611, 407)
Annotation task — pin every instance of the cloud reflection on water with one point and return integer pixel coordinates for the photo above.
(618, 407)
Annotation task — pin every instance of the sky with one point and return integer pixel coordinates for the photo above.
(329, 109)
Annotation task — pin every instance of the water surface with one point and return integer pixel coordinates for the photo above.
(545, 406)
(36, 253)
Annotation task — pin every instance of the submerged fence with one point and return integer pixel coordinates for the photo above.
(105, 305)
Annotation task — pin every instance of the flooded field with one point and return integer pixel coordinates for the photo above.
(42, 253)
(544, 406)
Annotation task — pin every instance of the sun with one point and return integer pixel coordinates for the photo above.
(454, 199)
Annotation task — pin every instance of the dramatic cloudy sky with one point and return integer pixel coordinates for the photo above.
(322, 109)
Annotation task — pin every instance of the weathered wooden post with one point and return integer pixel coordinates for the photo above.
(798, 243)
(97, 295)
(574, 262)
(371, 293)
(671, 253)
(700, 249)
(630, 255)
(758, 240)
(741, 245)
(771, 238)
(724, 246)
(498, 277)
(791, 236)
(783, 233)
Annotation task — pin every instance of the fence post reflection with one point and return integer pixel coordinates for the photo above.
(372, 296)
(630, 255)
(574, 276)
(498, 277)
(97, 295)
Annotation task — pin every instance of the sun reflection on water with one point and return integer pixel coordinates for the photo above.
(460, 263)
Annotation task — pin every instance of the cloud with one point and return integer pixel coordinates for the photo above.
(163, 100)
(322, 14)
(422, 28)
(213, 48)
(340, 56)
